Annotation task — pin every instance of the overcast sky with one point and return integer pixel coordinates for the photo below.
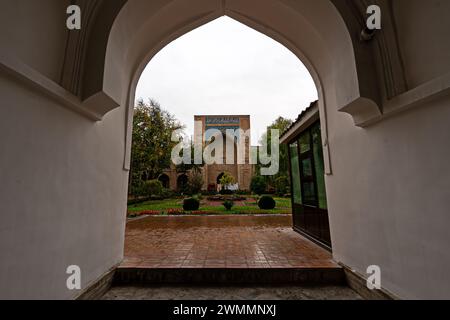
(226, 68)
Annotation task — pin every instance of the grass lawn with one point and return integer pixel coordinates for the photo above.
(249, 207)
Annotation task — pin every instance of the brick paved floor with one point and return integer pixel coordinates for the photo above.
(220, 242)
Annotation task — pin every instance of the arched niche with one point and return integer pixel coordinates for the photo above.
(313, 30)
(165, 180)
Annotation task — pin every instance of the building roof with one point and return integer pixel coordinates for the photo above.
(223, 115)
(302, 117)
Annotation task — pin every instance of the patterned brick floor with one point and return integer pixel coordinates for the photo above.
(220, 242)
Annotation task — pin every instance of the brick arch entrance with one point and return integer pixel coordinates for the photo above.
(165, 181)
(219, 177)
(182, 182)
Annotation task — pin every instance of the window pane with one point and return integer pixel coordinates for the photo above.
(305, 142)
(319, 166)
(295, 173)
(308, 190)
(307, 168)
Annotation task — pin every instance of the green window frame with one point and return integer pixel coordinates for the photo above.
(307, 169)
(319, 165)
(295, 174)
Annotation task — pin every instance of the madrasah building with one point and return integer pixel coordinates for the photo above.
(241, 171)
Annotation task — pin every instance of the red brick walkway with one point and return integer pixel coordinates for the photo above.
(220, 242)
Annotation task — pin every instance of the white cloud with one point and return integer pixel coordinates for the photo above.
(225, 67)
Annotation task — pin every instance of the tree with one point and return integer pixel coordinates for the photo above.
(281, 124)
(152, 143)
(196, 183)
(227, 180)
(195, 168)
(282, 185)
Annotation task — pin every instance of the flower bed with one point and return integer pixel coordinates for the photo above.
(199, 213)
(179, 212)
(175, 212)
(225, 198)
(143, 213)
(173, 207)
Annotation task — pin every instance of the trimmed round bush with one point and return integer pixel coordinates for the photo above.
(191, 204)
(228, 204)
(266, 203)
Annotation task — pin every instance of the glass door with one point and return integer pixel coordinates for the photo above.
(308, 186)
(307, 174)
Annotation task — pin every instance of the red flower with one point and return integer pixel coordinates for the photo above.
(175, 212)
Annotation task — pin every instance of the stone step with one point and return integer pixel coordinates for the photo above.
(229, 276)
(246, 294)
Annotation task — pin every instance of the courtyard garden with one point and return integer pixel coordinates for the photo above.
(212, 205)
(158, 186)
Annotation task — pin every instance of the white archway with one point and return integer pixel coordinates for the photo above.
(314, 31)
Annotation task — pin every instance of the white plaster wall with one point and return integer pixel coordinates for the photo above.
(63, 194)
(389, 198)
(63, 187)
(390, 189)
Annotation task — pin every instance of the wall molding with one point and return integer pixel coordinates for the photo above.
(364, 110)
(387, 50)
(76, 48)
(429, 91)
(42, 84)
(434, 89)
(379, 61)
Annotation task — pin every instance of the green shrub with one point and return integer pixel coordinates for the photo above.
(228, 204)
(281, 185)
(136, 201)
(198, 197)
(226, 192)
(227, 180)
(258, 185)
(191, 204)
(266, 203)
(153, 188)
(209, 193)
(137, 189)
(195, 184)
(167, 193)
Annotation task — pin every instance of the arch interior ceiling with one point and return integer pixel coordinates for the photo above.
(103, 61)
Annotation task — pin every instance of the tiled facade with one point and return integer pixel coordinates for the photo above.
(242, 172)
